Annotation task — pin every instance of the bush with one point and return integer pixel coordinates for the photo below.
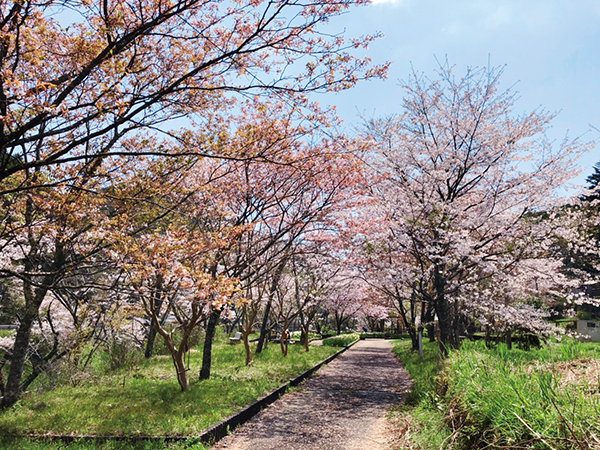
(342, 340)
(383, 336)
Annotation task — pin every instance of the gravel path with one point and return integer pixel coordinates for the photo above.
(343, 407)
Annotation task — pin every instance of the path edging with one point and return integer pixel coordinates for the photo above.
(223, 428)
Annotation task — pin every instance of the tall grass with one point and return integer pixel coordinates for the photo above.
(423, 405)
(500, 398)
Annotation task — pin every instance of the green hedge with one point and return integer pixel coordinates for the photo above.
(383, 336)
(341, 341)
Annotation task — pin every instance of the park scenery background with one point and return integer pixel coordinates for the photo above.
(181, 215)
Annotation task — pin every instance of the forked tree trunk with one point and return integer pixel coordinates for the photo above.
(284, 345)
(179, 363)
(264, 327)
(284, 338)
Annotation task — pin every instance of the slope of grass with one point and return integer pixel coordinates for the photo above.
(502, 397)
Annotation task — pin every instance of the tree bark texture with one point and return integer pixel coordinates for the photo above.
(208, 342)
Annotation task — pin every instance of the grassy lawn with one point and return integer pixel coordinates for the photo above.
(500, 398)
(146, 399)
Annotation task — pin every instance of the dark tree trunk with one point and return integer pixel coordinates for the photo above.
(431, 332)
(263, 329)
(151, 338)
(428, 319)
(444, 312)
(33, 301)
(208, 342)
(17, 362)
(445, 325)
(509, 340)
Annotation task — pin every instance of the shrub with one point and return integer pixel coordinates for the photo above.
(383, 335)
(342, 340)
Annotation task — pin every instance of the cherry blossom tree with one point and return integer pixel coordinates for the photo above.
(459, 178)
(345, 301)
(170, 270)
(49, 242)
(77, 78)
(580, 240)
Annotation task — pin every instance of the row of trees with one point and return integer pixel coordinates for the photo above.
(163, 158)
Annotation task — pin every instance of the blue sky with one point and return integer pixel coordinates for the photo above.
(551, 50)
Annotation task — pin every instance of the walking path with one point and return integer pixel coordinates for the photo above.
(343, 407)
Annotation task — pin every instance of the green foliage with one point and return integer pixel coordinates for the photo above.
(493, 398)
(7, 333)
(340, 341)
(145, 399)
(594, 179)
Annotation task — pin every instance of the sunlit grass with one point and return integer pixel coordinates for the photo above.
(28, 444)
(146, 399)
(500, 398)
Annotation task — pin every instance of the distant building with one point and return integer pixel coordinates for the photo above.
(589, 329)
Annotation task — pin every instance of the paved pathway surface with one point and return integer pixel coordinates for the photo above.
(343, 407)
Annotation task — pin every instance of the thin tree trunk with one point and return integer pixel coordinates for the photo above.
(272, 290)
(151, 339)
(306, 339)
(182, 375)
(247, 348)
(158, 301)
(263, 328)
(208, 342)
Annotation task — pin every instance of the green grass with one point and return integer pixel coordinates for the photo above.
(28, 444)
(146, 399)
(340, 341)
(296, 335)
(503, 397)
(497, 398)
